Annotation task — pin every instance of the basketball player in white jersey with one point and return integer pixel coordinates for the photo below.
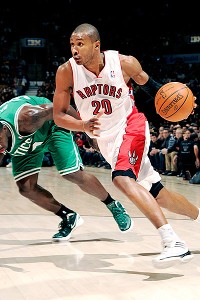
(100, 84)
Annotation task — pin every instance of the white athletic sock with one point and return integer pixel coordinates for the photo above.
(198, 218)
(167, 233)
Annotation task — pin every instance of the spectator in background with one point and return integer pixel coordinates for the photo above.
(154, 150)
(78, 137)
(195, 127)
(160, 141)
(178, 140)
(196, 177)
(187, 156)
(87, 152)
(90, 155)
(169, 151)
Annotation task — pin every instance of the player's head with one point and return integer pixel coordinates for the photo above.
(4, 133)
(88, 30)
(85, 43)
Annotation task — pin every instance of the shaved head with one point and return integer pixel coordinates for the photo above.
(89, 30)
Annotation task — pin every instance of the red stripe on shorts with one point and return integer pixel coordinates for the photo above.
(132, 147)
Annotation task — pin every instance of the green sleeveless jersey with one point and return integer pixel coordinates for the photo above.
(9, 112)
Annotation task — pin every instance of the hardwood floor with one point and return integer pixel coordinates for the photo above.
(99, 262)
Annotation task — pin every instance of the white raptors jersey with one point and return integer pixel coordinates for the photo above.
(108, 91)
(124, 132)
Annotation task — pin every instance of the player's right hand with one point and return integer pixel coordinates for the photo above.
(92, 126)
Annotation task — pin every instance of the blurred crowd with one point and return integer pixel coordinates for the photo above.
(175, 150)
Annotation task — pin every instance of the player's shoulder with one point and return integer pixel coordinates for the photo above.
(124, 59)
(66, 66)
(127, 58)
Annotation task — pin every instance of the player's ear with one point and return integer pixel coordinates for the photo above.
(97, 44)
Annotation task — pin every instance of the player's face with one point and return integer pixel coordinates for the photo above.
(3, 139)
(82, 48)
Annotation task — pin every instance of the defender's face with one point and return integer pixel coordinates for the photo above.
(82, 48)
(3, 139)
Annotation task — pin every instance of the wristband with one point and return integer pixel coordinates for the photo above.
(151, 87)
(83, 126)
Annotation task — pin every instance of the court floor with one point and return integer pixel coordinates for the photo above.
(99, 262)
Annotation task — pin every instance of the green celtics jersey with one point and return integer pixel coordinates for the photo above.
(23, 144)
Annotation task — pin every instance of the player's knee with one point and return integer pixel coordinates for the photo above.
(122, 179)
(25, 188)
(76, 177)
(155, 189)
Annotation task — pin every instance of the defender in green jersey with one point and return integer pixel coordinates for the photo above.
(27, 131)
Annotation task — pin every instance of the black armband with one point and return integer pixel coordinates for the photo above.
(151, 87)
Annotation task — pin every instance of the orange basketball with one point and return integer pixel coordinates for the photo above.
(174, 101)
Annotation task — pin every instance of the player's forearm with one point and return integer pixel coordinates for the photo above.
(151, 87)
(72, 112)
(68, 122)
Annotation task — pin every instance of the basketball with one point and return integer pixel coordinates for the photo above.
(174, 101)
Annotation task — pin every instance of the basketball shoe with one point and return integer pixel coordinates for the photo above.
(66, 226)
(120, 215)
(174, 253)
